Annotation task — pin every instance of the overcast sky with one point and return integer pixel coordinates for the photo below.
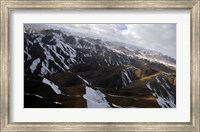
(159, 37)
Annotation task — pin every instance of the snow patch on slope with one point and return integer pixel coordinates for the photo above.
(34, 95)
(148, 86)
(127, 75)
(34, 64)
(95, 98)
(85, 81)
(52, 85)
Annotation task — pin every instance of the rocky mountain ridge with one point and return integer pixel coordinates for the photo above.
(89, 72)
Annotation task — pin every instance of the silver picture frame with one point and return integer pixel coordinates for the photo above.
(7, 6)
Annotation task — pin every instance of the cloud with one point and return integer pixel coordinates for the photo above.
(158, 37)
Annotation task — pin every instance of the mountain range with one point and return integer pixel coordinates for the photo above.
(67, 70)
